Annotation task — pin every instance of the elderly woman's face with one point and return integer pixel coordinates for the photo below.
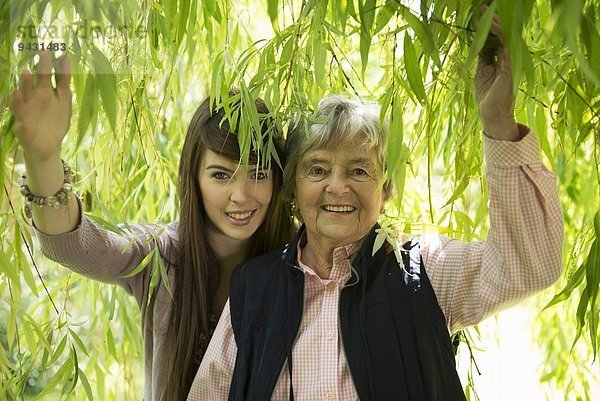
(338, 192)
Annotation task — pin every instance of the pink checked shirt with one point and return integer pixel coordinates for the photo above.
(522, 254)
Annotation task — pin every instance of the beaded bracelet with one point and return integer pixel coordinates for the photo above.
(61, 198)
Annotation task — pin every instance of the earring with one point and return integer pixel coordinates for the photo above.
(295, 209)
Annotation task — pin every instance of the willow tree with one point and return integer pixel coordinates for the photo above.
(140, 69)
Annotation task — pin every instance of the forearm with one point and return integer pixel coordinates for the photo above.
(523, 253)
(526, 223)
(45, 178)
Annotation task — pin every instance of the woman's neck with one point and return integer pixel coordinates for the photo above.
(321, 262)
(229, 253)
(318, 253)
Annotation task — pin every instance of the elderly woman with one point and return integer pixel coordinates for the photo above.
(326, 319)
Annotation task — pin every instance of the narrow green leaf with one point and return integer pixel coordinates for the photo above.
(58, 377)
(142, 265)
(105, 223)
(597, 224)
(107, 85)
(541, 130)
(423, 33)
(273, 10)
(160, 266)
(379, 240)
(26, 268)
(11, 327)
(400, 175)
(110, 310)
(211, 8)
(58, 351)
(319, 45)
(365, 45)
(86, 385)
(75, 339)
(73, 378)
(110, 343)
(183, 13)
(458, 191)
(413, 71)
(88, 107)
(154, 280)
(7, 267)
(385, 13)
(340, 15)
(581, 313)
(396, 136)
(593, 318)
(41, 337)
(485, 23)
(574, 281)
(367, 16)
(592, 270)
(591, 40)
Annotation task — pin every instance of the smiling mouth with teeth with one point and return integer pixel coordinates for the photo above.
(240, 215)
(338, 209)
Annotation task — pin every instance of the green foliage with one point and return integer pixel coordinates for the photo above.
(141, 68)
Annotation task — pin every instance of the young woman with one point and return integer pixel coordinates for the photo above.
(228, 214)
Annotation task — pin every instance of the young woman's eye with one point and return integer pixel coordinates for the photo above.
(260, 175)
(219, 175)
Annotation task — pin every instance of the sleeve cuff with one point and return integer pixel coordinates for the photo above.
(525, 151)
(41, 236)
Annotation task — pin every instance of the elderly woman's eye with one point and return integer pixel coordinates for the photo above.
(360, 171)
(316, 170)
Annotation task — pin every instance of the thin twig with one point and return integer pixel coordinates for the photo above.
(292, 57)
(351, 67)
(572, 88)
(346, 77)
(29, 251)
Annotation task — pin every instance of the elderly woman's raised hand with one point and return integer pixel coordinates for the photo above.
(494, 91)
(42, 112)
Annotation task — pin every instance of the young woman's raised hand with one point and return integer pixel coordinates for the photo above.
(43, 112)
(42, 116)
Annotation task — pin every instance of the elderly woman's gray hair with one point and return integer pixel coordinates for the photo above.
(337, 120)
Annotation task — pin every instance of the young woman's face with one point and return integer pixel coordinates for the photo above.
(235, 201)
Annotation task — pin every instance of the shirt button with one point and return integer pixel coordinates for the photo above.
(330, 335)
(330, 395)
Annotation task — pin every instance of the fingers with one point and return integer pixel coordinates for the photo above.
(17, 104)
(44, 70)
(26, 85)
(30, 84)
(495, 50)
(496, 29)
(503, 53)
(18, 107)
(63, 77)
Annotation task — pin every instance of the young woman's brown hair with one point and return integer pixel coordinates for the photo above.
(197, 271)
